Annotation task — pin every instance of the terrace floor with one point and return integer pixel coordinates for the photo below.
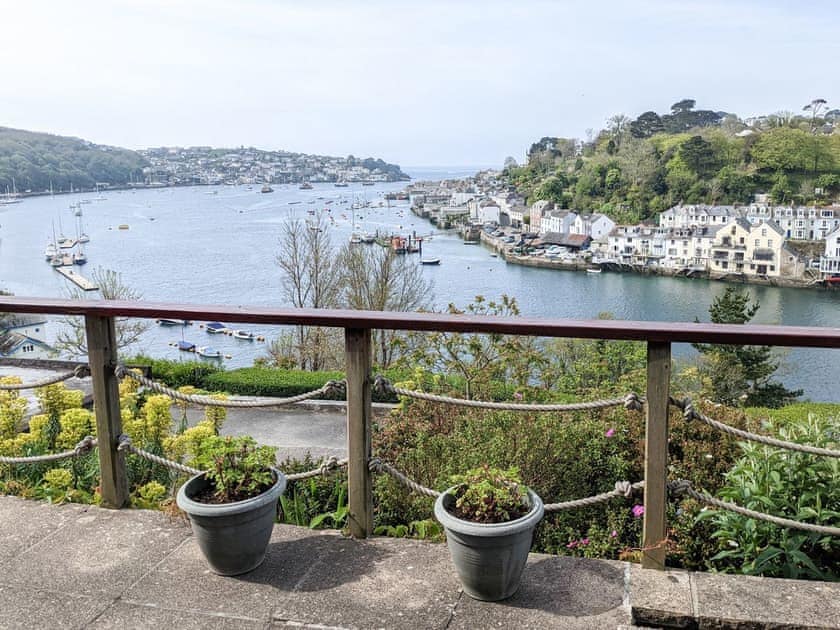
(75, 566)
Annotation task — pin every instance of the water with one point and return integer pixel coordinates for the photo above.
(218, 246)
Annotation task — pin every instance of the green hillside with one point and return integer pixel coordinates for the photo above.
(633, 169)
(35, 160)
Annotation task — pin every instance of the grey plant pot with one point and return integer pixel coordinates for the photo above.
(489, 557)
(232, 536)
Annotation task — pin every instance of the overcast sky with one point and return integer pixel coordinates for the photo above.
(417, 83)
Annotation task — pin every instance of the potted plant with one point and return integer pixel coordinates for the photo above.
(489, 518)
(232, 506)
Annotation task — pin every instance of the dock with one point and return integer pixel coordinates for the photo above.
(77, 279)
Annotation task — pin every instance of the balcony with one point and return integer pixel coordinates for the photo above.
(90, 565)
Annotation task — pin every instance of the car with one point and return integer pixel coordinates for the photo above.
(815, 264)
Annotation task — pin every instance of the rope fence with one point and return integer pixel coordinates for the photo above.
(81, 371)
(84, 447)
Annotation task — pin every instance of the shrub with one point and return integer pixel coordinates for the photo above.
(489, 495)
(237, 468)
(793, 485)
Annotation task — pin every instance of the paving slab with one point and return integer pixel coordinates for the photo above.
(556, 592)
(27, 523)
(739, 601)
(184, 581)
(97, 552)
(35, 608)
(661, 598)
(123, 615)
(375, 583)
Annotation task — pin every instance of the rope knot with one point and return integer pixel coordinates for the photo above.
(632, 402)
(120, 371)
(336, 387)
(382, 385)
(678, 487)
(85, 445)
(123, 442)
(81, 371)
(688, 410)
(624, 488)
(327, 465)
(375, 465)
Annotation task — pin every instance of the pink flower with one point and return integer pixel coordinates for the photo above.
(610, 432)
(585, 541)
(638, 510)
(572, 544)
(613, 534)
(517, 395)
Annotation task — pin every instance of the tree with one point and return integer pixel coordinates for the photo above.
(311, 279)
(73, 337)
(510, 162)
(698, 155)
(816, 107)
(618, 127)
(376, 279)
(646, 125)
(738, 373)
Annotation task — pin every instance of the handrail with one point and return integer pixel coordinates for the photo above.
(683, 332)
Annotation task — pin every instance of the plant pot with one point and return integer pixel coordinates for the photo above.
(232, 536)
(489, 557)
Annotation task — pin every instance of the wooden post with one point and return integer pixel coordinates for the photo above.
(359, 485)
(656, 453)
(102, 358)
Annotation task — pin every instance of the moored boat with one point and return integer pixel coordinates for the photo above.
(266, 189)
(208, 352)
(430, 261)
(593, 270)
(165, 321)
(186, 346)
(215, 327)
(243, 334)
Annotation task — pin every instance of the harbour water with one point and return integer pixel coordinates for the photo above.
(217, 245)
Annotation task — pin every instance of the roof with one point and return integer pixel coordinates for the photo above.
(11, 341)
(23, 320)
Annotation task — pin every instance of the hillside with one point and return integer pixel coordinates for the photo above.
(36, 160)
(633, 169)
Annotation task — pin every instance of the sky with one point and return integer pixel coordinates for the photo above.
(432, 82)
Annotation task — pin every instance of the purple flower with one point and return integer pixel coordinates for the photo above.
(572, 544)
(610, 432)
(585, 541)
(517, 395)
(613, 534)
(638, 510)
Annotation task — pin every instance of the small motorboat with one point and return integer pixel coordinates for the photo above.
(430, 261)
(208, 352)
(215, 327)
(593, 270)
(186, 346)
(165, 321)
(243, 334)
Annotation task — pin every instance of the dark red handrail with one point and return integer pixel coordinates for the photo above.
(796, 336)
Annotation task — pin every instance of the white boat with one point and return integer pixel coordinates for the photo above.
(215, 328)
(266, 189)
(355, 238)
(208, 352)
(243, 334)
(369, 238)
(430, 261)
(165, 321)
(591, 270)
(50, 251)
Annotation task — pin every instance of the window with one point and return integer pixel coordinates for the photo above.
(772, 268)
(741, 240)
(757, 243)
(764, 231)
(769, 243)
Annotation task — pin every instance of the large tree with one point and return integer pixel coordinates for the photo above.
(738, 373)
(376, 279)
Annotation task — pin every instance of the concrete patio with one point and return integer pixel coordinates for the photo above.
(74, 566)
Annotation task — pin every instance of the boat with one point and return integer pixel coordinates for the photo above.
(243, 334)
(367, 183)
(66, 242)
(355, 238)
(592, 270)
(305, 186)
(470, 242)
(215, 327)
(50, 251)
(430, 261)
(186, 346)
(266, 189)
(122, 226)
(368, 238)
(79, 257)
(208, 352)
(341, 184)
(165, 321)
(11, 197)
(56, 261)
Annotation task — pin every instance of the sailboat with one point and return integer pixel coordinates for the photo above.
(11, 197)
(80, 229)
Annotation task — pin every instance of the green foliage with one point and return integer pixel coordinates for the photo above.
(237, 467)
(265, 381)
(489, 495)
(738, 373)
(176, 373)
(783, 483)
(149, 496)
(319, 499)
(38, 160)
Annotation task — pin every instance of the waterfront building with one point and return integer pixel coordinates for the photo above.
(24, 337)
(691, 216)
(557, 221)
(797, 222)
(595, 226)
(729, 250)
(830, 260)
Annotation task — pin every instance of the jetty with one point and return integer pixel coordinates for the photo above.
(78, 279)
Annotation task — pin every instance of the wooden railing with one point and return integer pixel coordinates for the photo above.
(99, 318)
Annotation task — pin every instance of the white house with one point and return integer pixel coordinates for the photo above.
(763, 256)
(830, 260)
(596, 226)
(557, 221)
(25, 338)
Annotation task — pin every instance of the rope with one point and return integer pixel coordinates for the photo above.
(377, 465)
(330, 387)
(383, 386)
(84, 447)
(691, 414)
(622, 489)
(682, 486)
(329, 464)
(81, 371)
(124, 444)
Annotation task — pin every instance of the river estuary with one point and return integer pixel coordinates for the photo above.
(217, 245)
